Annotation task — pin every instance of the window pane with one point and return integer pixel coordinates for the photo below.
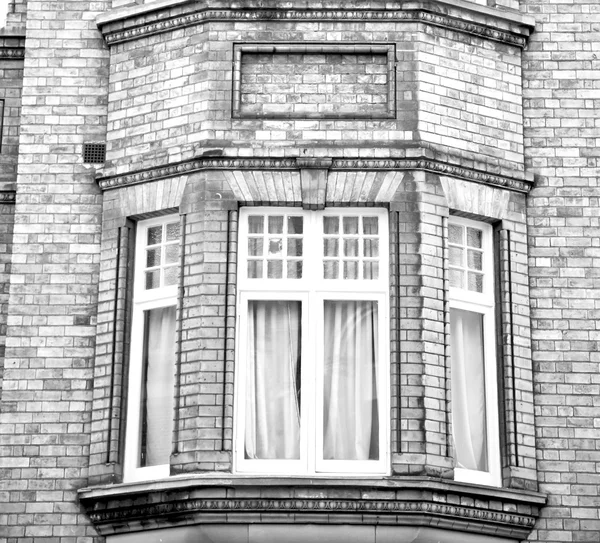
(256, 224)
(173, 231)
(474, 259)
(331, 225)
(295, 225)
(474, 237)
(275, 246)
(294, 247)
(455, 234)
(456, 256)
(370, 226)
(255, 269)
(331, 247)
(457, 278)
(276, 225)
(153, 257)
(350, 394)
(157, 390)
(255, 246)
(154, 235)
(350, 247)
(294, 269)
(371, 247)
(468, 390)
(351, 269)
(371, 270)
(475, 282)
(350, 225)
(171, 254)
(275, 269)
(331, 269)
(171, 275)
(152, 279)
(273, 373)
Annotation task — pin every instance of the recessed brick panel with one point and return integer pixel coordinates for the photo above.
(314, 82)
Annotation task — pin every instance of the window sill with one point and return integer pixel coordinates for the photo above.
(409, 501)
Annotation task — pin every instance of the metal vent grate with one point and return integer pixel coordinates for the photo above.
(94, 153)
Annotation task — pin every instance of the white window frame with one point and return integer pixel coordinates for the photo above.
(143, 300)
(484, 304)
(312, 343)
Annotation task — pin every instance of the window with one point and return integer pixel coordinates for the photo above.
(152, 360)
(312, 390)
(472, 337)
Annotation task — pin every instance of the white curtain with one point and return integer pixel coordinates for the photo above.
(273, 380)
(468, 389)
(350, 417)
(157, 423)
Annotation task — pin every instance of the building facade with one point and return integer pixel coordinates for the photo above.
(300, 271)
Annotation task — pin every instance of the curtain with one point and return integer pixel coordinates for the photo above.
(272, 429)
(157, 393)
(468, 389)
(350, 405)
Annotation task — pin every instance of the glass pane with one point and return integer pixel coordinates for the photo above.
(468, 389)
(456, 256)
(331, 225)
(295, 225)
(157, 386)
(173, 231)
(274, 269)
(153, 257)
(331, 269)
(255, 246)
(331, 247)
(351, 269)
(273, 376)
(275, 246)
(350, 388)
(455, 234)
(371, 247)
(256, 224)
(371, 270)
(370, 226)
(475, 282)
(171, 254)
(350, 225)
(294, 247)
(457, 278)
(171, 276)
(276, 225)
(294, 269)
(350, 247)
(474, 259)
(474, 237)
(255, 269)
(152, 279)
(154, 235)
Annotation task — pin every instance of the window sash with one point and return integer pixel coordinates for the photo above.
(478, 304)
(312, 290)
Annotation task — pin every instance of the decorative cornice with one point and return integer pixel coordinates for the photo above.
(450, 508)
(390, 164)
(7, 196)
(12, 53)
(518, 39)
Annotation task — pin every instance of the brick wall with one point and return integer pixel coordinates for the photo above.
(52, 305)
(562, 118)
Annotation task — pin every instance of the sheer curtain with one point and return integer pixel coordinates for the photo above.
(468, 389)
(272, 428)
(159, 375)
(350, 405)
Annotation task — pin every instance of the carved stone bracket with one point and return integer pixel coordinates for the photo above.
(313, 176)
(516, 34)
(423, 502)
(294, 164)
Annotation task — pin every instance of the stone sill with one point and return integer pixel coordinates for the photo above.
(218, 498)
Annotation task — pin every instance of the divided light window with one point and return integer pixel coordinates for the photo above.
(472, 337)
(152, 360)
(312, 391)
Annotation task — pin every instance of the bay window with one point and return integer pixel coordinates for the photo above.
(312, 385)
(472, 336)
(152, 360)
